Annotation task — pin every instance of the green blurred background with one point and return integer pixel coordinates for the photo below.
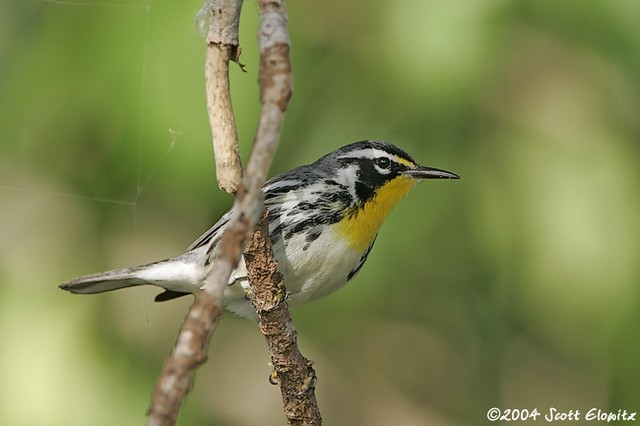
(515, 287)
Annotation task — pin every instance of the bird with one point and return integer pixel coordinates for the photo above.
(323, 221)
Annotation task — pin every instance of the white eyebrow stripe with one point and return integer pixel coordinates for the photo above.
(371, 154)
(367, 153)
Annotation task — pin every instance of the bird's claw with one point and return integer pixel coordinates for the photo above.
(273, 378)
(248, 294)
(281, 293)
(308, 384)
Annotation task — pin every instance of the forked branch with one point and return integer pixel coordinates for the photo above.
(294, 372)
(191, 345)
(223, 46)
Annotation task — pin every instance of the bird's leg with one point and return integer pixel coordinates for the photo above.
(273, 378)
(281, 293)
(309, 383)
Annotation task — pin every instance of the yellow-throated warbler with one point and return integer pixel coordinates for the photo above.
(323, 221)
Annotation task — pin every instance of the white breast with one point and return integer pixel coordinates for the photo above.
(309, 274)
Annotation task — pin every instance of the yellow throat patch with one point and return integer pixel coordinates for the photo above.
(360, 228)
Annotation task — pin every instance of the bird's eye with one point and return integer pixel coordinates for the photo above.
(383, 162)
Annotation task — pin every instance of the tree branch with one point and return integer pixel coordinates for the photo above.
(294, 372)
(222, 47)
(191, 345)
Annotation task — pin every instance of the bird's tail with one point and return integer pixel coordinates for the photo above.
(104, 281)
(178, 276)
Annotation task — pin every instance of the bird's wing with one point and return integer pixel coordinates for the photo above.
(213, 234)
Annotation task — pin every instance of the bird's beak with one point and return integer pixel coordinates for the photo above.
(424, 172)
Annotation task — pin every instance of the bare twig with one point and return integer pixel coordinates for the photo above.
(191, 346)
(294, 373)
(222, 47)
(190, 351)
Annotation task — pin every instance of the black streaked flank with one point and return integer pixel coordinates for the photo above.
(311, 236)
(283, 189)
(304, 205)
(362, 260)
(302, 226)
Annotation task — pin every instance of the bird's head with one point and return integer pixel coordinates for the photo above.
(377, 176)
(375, 169)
